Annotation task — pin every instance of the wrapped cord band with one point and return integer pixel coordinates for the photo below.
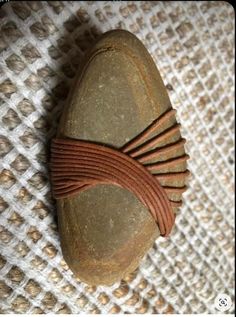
(78, 165)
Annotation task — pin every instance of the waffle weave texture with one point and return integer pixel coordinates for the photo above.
(41, 45)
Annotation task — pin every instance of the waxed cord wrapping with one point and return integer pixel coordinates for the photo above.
(77, 165)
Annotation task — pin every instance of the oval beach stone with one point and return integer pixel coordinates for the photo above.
(105, 231)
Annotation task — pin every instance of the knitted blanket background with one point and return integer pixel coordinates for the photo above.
(41, 45)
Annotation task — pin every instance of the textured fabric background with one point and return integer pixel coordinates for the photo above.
(41, 44)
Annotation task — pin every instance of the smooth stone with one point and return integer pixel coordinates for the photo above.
(105, 231)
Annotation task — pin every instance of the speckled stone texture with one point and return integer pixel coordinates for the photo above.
(41, 46)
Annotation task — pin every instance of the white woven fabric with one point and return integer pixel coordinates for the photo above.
(41, 44)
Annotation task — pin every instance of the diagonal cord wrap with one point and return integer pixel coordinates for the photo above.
(78, 165)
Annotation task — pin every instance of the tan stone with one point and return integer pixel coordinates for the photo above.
(105, 231)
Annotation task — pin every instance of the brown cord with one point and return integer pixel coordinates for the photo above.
(77, 165)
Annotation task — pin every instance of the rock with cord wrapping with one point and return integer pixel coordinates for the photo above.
(119, 95)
